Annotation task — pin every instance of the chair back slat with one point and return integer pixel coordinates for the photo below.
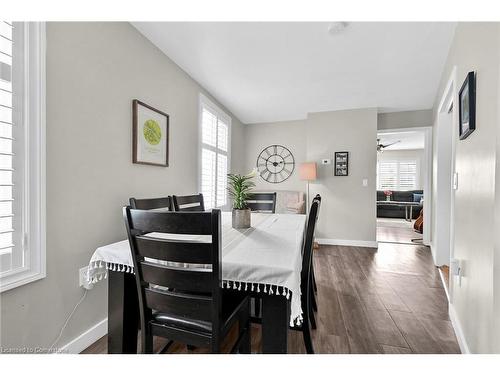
(152, 203)
(179, 278)
(174, 251)
(179, 304)
(263, 202)
(189, 202)
(171, 222)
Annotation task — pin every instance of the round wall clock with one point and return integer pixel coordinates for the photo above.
(275, 164)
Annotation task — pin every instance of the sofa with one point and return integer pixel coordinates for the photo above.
(400, 196)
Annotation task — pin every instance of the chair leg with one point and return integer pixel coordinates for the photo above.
(306, 332)
(312, 318)
(256, 305)
(146, 341)
(313, 302)
(315, 287)
(244, 329)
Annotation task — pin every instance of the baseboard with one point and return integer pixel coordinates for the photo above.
(333, 241)
(87, 338)
(457, 327)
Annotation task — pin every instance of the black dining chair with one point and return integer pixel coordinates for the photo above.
(183, 302)
(314, 288)
(188, 202)
(262, 202)
(158, 204)
(306, 278)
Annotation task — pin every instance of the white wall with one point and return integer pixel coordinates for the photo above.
(94, 70)
(404, 155)
(475, 47)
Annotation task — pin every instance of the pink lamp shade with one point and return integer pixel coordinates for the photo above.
(307, 171)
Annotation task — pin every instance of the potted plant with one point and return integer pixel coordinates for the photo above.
(239, 189)
(388, 194)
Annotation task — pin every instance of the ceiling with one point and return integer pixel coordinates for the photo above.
(279, 71)
(410, 140)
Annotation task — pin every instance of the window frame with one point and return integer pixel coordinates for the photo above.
(205, 102)
(34, 159)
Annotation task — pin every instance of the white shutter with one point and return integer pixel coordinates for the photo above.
(397, 175)
(215, 141)
(8, 260)
(407, 175)
(22, 153)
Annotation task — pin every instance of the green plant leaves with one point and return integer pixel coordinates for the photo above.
(239, 189)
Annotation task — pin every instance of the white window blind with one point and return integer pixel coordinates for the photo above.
(397, 175)
(215, 141)
(22, 251)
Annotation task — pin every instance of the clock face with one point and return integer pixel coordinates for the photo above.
(275, 164)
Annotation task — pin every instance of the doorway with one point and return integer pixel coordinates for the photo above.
(403, 179)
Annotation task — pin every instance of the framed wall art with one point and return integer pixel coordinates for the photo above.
(150, 135)
(467, 106)
(341, 163)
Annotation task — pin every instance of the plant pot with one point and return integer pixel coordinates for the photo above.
(241, 218)
(387, 197)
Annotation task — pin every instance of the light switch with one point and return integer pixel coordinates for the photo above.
(365, 182)
(455, 181)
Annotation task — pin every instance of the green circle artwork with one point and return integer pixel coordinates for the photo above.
(152, 132)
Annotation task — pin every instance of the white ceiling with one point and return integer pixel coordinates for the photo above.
(280, 71)
(410, 140)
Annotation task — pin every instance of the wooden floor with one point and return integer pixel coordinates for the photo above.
(389, 300)
(396, 230)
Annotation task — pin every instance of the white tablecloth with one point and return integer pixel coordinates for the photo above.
(266, 258)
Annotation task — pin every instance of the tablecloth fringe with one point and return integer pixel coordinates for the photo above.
(263, 288)
(101, 268)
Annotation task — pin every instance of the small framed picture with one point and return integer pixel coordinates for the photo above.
(150, 135)
(467, 106)
(341, 163)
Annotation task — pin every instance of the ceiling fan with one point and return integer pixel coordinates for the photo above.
(381, 147)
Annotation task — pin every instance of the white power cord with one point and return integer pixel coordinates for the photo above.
(67, 320)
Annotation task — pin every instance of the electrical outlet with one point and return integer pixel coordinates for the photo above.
(82, 278)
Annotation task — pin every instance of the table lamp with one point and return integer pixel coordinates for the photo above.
(307, 172)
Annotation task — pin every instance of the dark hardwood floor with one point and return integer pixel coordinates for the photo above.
(385, 301)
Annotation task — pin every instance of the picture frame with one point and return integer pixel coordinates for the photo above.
(341, 166)
(150, 135)
(467, 106)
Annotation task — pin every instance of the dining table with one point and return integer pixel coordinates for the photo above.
(264, 260)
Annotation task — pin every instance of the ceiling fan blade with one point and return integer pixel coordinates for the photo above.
(389, 144)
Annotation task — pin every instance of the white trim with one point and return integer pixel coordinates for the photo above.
(457, 327)
(87, 338)
(35, 153)
(339, 242)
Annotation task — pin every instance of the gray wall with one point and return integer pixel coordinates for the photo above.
(94, 70)
(290, 134)
(475, 47)
(404, 119)
(348, 210)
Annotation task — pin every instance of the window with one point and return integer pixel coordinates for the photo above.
(397, 175)
(22, 153)
(215, 128)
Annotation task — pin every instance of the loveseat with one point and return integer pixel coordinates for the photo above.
(399, 196)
